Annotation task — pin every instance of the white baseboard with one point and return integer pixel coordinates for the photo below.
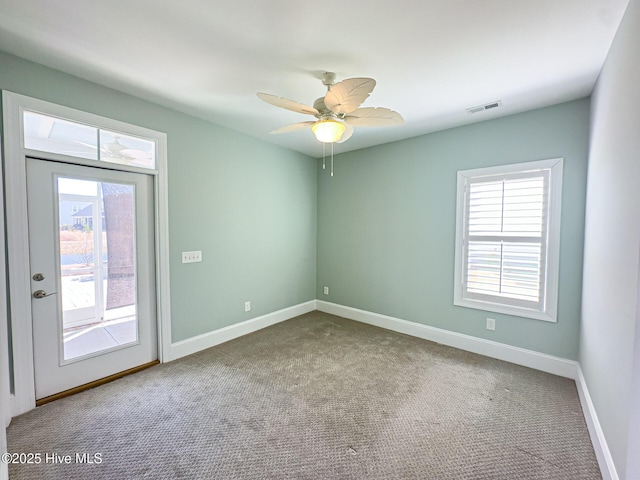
(520, 356)
(605, 460)
(210, 339)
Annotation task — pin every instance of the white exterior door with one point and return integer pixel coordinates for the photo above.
(92, 273)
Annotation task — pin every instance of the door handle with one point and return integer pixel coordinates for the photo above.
(42, 294)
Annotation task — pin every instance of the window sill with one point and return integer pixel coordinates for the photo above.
(506, 309)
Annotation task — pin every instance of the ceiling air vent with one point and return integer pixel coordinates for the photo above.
(487, 106)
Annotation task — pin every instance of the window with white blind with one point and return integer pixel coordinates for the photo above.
(507, 238)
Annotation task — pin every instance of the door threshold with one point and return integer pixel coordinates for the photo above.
(95, 383)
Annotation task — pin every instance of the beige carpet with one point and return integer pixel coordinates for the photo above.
(317, 397)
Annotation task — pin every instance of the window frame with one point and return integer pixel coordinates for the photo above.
(547, 309)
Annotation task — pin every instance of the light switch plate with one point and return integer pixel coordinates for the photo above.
(192, 257)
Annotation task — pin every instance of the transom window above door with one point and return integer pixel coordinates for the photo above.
(47, 133)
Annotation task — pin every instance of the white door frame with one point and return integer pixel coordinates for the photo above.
(23, 398)
(5, 406)
(633, 462)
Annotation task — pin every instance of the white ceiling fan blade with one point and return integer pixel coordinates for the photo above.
(347, 133)
(288, 104)
(347, 95)
(373, 117)
(294, 127)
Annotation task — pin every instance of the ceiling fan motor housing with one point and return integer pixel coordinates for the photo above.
(321, 107)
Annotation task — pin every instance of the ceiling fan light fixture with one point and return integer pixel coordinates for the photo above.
(328, 130)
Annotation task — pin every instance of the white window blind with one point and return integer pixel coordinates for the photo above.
(506, 236)
(503, 245)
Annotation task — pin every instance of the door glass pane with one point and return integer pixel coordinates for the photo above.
(97, 265)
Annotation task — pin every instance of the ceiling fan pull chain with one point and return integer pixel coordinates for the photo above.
(324, 154)
(332, 159)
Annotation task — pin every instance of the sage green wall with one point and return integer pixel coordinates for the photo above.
(386, 235)
(386, 221)
(248, 205)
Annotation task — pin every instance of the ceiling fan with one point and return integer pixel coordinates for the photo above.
(338, 111)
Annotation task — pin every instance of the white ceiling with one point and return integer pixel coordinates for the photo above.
(431, 58)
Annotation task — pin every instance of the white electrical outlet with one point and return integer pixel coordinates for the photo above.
(491, 323)
(192, 257)
(247, 306)
(326, 290)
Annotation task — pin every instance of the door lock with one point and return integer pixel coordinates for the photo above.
(42, 294)
(38, 277)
